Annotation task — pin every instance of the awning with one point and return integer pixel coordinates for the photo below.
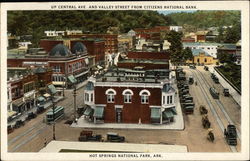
(52, 88)
(41, 99)
(58, 83)
(155, 113)
(46, 95)
(72, 79)
(18, 102)
(173, 110)
(88, 111)
(98, 112)
(168, 114)
(189, 107)
(11, 113)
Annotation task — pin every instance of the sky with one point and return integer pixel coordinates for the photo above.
(169, 12)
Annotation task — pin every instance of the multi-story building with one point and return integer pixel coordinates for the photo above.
(24, 85)
(146, 60)
(131, 96)
(139, 90)
(60, 59)
(209, 48)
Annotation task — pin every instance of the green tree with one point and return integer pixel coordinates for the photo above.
(176, 46)
(187, 54)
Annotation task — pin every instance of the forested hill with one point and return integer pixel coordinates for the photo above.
(205, 19)
(28, 22)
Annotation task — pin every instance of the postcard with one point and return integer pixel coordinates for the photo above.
(125, 80)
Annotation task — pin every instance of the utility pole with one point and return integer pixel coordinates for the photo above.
(53, 108)
(74, 94)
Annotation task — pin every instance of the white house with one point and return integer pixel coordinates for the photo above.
(176, 28)
(210, 48)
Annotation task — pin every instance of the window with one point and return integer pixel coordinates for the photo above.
(92, 97)
(144, 96)
(56, 68)
(110, 95)
(170, 99)
(86, 97)
(163, 99)
(167, 99)
(127, 95)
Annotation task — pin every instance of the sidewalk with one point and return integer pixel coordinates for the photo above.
(178, 123)
(25, 114)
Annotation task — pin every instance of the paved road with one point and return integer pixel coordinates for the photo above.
(31, 137)
(224, 111)
(37, 129)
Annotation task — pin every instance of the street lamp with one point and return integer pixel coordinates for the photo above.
(73, 82)
(52, 91)
(74, 94)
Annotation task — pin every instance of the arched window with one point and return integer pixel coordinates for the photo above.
(144, 96)
(110, 95)
(127, 95)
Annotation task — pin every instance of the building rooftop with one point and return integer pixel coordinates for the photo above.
(205, 44)
(79, 47)
(60, 50)
(196, 52)
(133, 75)
(143, 61)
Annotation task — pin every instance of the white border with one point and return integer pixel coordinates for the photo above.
(201, 5)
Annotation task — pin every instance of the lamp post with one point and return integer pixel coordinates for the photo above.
(52, 91)
(53, 108)
(74, 94)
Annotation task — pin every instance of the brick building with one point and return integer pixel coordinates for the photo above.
(147, 60)
(153, 33)
(60, 59)
(130, 96)
(139, 90)
(24, 86)
(94, 47)
(111, 41)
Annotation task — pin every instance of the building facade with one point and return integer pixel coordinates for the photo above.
(130, 96)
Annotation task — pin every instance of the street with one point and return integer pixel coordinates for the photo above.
(36, 134)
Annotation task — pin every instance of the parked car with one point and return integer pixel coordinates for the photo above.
(192, 66)
(30, 116)
(10, 129)
(19, 123)
(206, 68)
(114, 137)
(40, 109)
(88, 136)
(226, 92)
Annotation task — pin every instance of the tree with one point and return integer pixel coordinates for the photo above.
(176, 48)
(187, 54)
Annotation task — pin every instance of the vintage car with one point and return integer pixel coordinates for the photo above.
(114, 137)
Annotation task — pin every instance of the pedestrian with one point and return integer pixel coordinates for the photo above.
(45, 142)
